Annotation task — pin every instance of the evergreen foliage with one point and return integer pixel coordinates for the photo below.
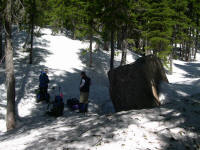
(161, 27)
(166, 28)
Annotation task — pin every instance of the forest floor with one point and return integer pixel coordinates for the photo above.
(174, 125)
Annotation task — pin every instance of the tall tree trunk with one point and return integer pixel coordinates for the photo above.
(187, 53)
(184, 50)
(137, 45)
(124, 45)
(143, 47)
(196, 44)
(31, 48)
(112, 50)
(189, 45)
(193, 44)
(119, 40)
(1, 38)
(90, 63)
(173, 42)
(197, 38)
(147, 52)
(74, 33)
(171, 63)
(10, 78)
(106, 45)
(26, 41)
(124, 52)
(32, 32)
(74, 30)
(172, 55)
(181, 51)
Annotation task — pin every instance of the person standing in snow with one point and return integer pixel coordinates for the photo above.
(44, 80)
(84, 92)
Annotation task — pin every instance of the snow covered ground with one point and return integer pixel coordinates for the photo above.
(175, 125)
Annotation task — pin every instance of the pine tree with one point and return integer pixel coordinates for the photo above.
(197, 26)
(185, 28)
(112, 17)
(34, 15)
(194, 15)
(1, 37)
(92, 22)
(180, 24)
(1, 29)
(32, 22)
(159, 28)
(140, 34)
(11, 11)
(79, 17)
(87, 23)
(10, 78)
(65, 14)
(128, 25)
(189, 41)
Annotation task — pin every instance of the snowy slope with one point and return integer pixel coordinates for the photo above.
(65, 59)
(175, 125)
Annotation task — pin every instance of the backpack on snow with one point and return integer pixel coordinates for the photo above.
(73, 104)
(56, 107)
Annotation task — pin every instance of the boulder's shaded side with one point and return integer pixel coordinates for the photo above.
(135, 86)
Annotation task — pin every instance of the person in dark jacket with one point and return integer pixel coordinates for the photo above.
(44, 80)
(84, 92)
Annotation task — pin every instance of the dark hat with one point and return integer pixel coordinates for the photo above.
(83, 73)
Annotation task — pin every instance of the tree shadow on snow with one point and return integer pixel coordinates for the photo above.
(183, 111)
(75, 130)
(99, 93)
(182, 117)
(26, 76)
(83, 131)
(188, 88)
(69, 81)
(192, 69)
(78, 131)
(179, 118)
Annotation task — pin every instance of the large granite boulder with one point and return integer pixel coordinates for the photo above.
(135, 86)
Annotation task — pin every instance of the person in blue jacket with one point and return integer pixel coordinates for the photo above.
(44, 81)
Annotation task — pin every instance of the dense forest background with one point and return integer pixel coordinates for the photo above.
(168, 29)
